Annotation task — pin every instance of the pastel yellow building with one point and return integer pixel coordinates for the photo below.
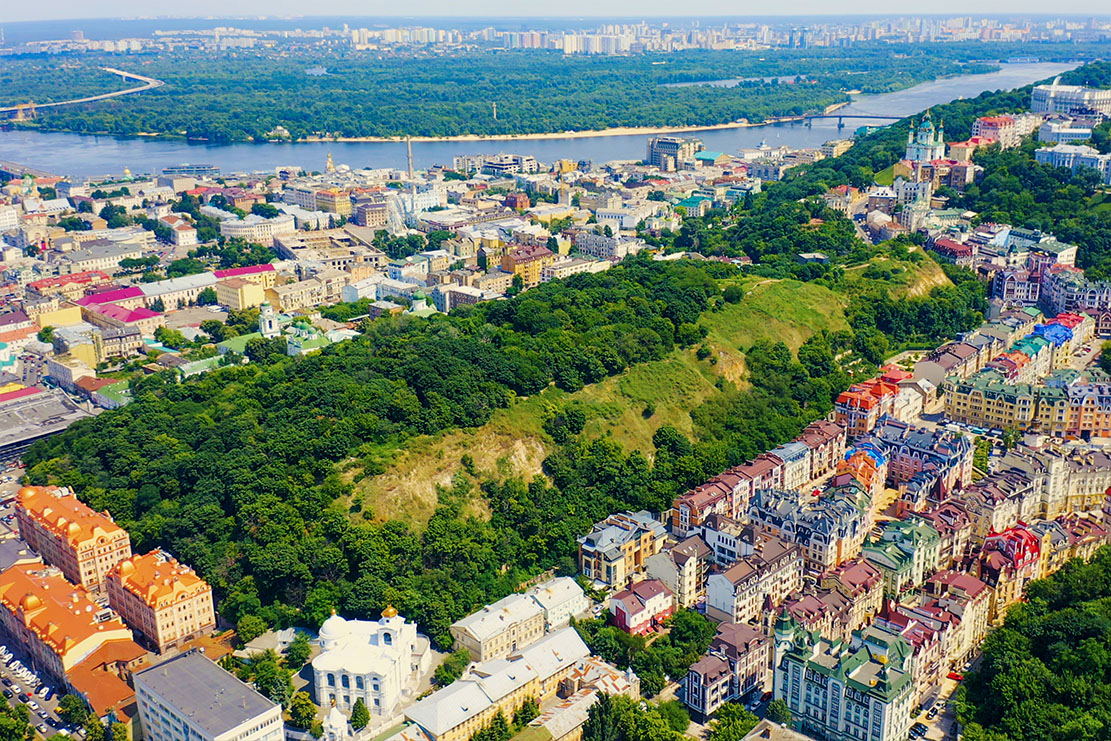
(65, 315)
(334, 201)
(239, 293)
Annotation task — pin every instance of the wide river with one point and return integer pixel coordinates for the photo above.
(89, 156)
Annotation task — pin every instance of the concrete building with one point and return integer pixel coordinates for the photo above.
(84, 544)
(683, 569)
(1058, 98)
(189, 698)
(537, 672)
(642, 608)
(737, 663)
(163, 601)
(501, 628)
(380, 662)
(669, 152)
(239, 293)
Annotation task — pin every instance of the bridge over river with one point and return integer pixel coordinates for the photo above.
(26, 111)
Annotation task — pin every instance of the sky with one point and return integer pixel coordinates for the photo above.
(21, 10)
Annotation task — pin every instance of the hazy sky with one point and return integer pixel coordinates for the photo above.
(22, 10)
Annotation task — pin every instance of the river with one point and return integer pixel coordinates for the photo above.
(91, 156)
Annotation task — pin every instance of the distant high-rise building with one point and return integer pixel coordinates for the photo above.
(668, 152)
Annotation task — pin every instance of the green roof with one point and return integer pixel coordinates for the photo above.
(238, 344)
(709, 155)
(118, 392)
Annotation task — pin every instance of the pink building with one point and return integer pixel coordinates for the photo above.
(642, 608)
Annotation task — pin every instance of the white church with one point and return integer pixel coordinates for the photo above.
(381, 661)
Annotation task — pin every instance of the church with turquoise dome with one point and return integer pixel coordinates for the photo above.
(924, 142)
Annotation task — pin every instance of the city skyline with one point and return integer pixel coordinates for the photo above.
(72, 10)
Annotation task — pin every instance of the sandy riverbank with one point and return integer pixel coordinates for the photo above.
(616, 131)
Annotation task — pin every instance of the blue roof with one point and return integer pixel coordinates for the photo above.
(1058, 334)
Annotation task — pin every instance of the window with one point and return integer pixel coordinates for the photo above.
(332, 680)
(345, 681)
(359, 683)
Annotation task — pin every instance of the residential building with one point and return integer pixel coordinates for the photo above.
(561, 599)
(163, 601)
(334, 200)
(527, 262)
(67, 533)
(842, 691)
(829, 529)
(767, 570)
(906, 552)
(53, 621)
(1009, 560)
(683, 569)
(380, 662)
(1007, 130)
(501, 628)
(619, 547)
(239, 293)
(738, 662)
(467, 705)
(670, 152)
(188, 697)
(642, 608)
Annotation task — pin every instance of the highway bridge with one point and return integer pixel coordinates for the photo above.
(809, 120)
(16, 170)
(27, 111)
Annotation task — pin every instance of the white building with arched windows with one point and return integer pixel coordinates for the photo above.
(380, 661)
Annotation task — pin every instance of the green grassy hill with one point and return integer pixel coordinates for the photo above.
(514, 443)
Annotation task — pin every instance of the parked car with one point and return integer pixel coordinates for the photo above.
(955, 676)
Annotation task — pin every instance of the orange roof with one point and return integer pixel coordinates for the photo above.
(66, 516)
(97, 681)
(158, 579)
(61, 614)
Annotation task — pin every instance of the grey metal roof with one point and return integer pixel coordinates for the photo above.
(211, 698)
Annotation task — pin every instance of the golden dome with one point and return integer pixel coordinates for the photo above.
(30, 602)
(389, 612)
(73, 528)
(28, 491)
(126, 567)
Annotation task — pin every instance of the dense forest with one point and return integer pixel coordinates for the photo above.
(1046, 674)
(244, 94)
(235, 472)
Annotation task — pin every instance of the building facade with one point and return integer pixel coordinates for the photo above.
(165, 602)
(84, 544)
